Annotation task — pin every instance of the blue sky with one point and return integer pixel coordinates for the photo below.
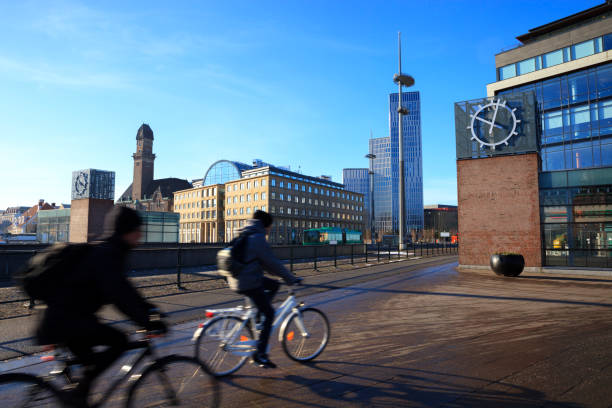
(297, 83)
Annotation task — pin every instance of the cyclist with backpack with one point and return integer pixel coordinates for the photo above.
(251, 255)
(94, 275)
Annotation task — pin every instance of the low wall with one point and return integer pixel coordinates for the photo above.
(189, 255)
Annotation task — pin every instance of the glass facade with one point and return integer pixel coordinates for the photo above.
(574, 52)
(413, 161)
(575, 139)
(358, 181)
(386, 169)
(159, 226)
(223, 171)
(53, 226)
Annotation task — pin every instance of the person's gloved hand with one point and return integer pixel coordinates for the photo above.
(157, 327)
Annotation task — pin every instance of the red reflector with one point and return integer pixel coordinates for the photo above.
(201, 325)
(47, 358)
(210, 314)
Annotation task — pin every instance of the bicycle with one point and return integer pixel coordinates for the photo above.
(173, 380)
(226, 340)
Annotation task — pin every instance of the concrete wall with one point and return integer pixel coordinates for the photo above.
(499, 208)
(12, 258)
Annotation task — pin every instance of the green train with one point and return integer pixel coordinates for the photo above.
(332, 236)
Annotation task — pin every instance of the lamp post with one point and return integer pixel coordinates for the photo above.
(401, 80)
(371, 156)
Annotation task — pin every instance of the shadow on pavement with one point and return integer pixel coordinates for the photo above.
(422, 387)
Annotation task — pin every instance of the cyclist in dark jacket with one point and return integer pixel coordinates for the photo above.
(99, 279)
(253, 284)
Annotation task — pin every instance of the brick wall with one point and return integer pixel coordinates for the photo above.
(499, 208)
(87, 218)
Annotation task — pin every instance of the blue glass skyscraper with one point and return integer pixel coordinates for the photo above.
(386, 169)
(358, 181)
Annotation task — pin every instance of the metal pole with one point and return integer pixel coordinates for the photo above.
(335, 256)
(315, 257)
(365, 247)
(178, 267)
(352, 261)
(291, 258)
(389, 251)
(401, 149)
(378, 252)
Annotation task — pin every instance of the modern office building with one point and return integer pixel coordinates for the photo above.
(296, 201)
(159, 227)
(359, 181)
(541, 143)
(386, 169)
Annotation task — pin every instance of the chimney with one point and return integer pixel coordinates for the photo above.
(41, 202)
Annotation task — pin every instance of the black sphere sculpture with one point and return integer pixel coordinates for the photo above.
(507, 264)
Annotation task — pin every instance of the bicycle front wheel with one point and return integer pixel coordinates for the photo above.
(175, 381)
(216, 349)
(25, 390)
(305, 334)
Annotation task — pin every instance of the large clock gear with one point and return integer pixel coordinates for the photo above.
(499, 129)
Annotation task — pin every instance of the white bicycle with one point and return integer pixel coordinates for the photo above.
(226, 340)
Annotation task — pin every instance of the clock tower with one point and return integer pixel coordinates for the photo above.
(143, 161)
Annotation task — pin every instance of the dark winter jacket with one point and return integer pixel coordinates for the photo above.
(259, 257)
(98, 280)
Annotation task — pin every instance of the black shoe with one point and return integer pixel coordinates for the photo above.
(263, 361)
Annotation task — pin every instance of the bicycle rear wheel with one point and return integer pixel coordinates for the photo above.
(213, 349)
(25, 391)
(174, 381)
(305, 334)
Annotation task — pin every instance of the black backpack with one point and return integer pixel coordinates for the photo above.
(46, 272)
(231, 260)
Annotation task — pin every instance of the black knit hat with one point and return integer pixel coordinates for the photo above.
(120, 221)
(265, 218)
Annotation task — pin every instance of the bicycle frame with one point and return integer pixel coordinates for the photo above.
(128, 369)
(245, 348)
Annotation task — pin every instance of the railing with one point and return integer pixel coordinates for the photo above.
(182, 256)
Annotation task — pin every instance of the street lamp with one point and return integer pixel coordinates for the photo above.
(401, 80)
(371, 156)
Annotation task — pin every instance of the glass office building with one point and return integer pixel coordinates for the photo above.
(386, 169)
(223, 171)
(574, 110)
(358, 181)
(53, 226)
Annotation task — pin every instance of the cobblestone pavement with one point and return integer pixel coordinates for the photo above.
(430, 336)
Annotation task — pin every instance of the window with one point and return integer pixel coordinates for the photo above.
(263, 183)
(281, 196)
(583, 49)
(288, 197)
(506, 72)
(256, 197)
(272, 195)
(281, 184)
(272, 182)
(527, 66)
(309, 189)
(248, 185)
(289, 210)
(316, 191)
(256, 183)
(241, 210)
(289, 186)
(235, 187)
(552, 58)
(248, 210)
(242, 199)
(303, 187)
(263, 196)
(242, 186)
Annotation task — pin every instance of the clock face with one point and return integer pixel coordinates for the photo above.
(494, 124)
(81, 183)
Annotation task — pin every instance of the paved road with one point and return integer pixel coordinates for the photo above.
(431, 336)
